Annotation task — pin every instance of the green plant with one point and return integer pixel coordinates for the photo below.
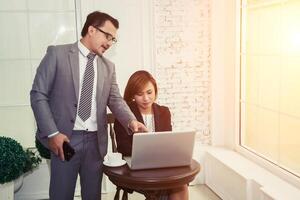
(32, 160)
(43, 151)
(12, 159)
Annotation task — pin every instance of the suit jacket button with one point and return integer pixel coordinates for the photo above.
(72, 121)
(75, 105)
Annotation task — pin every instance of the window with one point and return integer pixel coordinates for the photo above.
(270, 81)
(27, 28)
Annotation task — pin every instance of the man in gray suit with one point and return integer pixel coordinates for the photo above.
(73, 85)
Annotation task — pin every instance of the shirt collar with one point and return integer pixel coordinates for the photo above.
(82, 49)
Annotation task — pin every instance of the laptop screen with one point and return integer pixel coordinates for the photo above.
(162, 149)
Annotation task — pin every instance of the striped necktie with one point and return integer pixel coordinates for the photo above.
(85, 104)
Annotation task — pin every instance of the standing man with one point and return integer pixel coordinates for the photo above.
(73, 85)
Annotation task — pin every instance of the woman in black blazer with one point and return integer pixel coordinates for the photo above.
(162, 122)
(140, 95)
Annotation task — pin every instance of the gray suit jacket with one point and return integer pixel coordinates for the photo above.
(55, 89)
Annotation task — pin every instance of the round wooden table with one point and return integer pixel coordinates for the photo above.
(152, 182)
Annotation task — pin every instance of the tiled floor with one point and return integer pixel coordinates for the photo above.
(196, 192)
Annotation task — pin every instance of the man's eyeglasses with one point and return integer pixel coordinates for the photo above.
(108, 36)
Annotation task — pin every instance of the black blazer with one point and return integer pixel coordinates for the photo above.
(162, 121)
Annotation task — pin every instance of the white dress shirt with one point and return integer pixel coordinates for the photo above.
(91, 123)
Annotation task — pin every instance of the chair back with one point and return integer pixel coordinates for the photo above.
(110, 121)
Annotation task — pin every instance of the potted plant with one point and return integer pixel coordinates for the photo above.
(14, 162)
(43, 151)
(32, 160)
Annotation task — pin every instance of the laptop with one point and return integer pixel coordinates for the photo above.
(161, 149)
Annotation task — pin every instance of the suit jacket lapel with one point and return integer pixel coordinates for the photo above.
(101, 75)
(139, 117)
(136, 112)
(156, 114)
(74, 64)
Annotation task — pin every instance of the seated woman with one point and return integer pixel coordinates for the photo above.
(140, 95)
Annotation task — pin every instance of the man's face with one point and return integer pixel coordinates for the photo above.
(102, 37)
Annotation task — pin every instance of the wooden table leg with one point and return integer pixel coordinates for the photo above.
(151, 195)
(125, 195)
(117, 195)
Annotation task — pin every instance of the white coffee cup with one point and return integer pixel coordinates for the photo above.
(113, 158)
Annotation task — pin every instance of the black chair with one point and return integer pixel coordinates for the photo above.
(110, 121)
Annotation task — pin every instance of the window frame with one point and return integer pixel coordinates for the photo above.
(273, 167)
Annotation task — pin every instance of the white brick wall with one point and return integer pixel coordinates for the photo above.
(182, 62)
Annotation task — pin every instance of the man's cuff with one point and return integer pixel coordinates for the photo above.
(53, 134)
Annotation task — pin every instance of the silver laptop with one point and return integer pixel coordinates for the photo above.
(161, 149)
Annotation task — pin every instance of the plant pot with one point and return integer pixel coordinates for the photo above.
(18, 183)
(7, 191)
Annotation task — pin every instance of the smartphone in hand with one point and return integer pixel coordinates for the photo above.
(68, 151)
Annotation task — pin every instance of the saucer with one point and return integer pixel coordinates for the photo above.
(118, 164)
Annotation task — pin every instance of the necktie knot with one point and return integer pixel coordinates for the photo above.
(91, 56)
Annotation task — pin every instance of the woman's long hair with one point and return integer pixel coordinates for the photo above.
(136, 84)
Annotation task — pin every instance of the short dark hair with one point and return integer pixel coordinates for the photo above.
(98, 19)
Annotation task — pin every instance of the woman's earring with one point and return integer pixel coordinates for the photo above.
(133, 99)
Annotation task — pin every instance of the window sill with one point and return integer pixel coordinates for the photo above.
(229, 167)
